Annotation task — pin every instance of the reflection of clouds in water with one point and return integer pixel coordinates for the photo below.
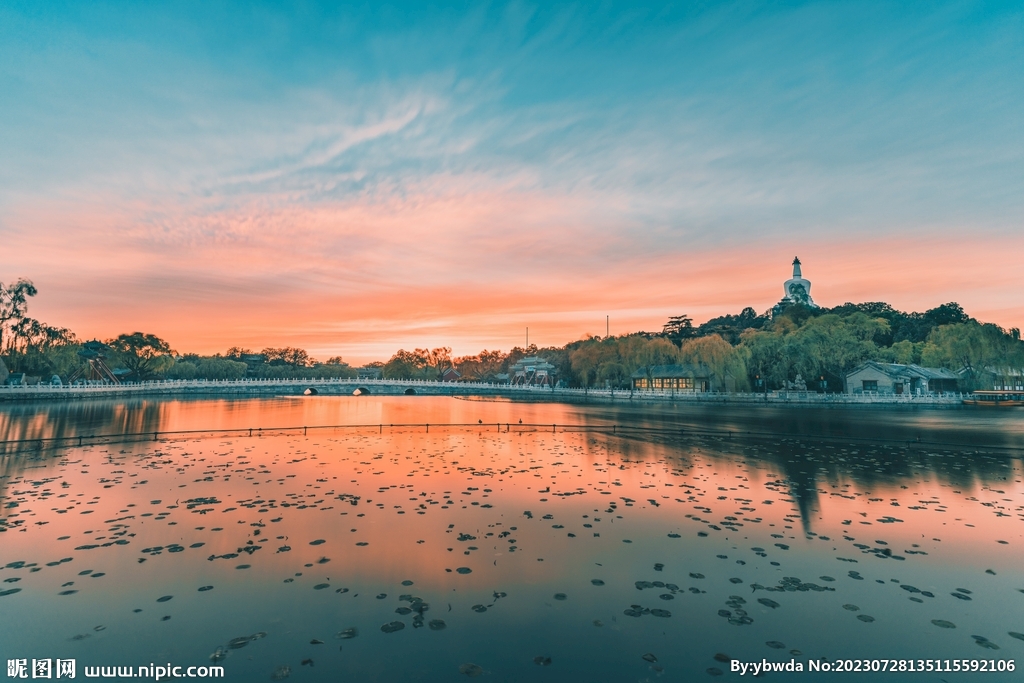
(390, 531)
(475, 534)
(785, 438)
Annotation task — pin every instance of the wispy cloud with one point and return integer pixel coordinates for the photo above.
(454, 177)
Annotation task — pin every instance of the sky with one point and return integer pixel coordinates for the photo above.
(354, 179)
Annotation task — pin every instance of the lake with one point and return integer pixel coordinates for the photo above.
(623, 543)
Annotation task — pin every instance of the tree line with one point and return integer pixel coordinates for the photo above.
(767, 351)
(39, 350)
(747, 351)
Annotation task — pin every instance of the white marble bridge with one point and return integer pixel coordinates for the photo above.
(397, 387)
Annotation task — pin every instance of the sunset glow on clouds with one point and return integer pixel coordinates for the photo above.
(355, 182)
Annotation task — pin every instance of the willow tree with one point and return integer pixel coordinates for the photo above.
(13, 308)
(650, 353)
(40, 349)
(830, 346)
(766, 355)
(722, 359)
(31, 346)
(585, 360)
(973, 349)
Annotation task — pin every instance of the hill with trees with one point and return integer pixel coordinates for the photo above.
(755, 351)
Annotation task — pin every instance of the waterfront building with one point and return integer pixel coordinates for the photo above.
(894, 378)
(679, 378)
(532, 371)
(370, 372)
(1006, 379)
(1000, 379)
(450, 375)
(253, 362)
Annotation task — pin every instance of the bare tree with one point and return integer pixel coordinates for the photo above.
(440, 359)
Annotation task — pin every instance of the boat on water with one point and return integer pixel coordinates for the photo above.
(998, 399)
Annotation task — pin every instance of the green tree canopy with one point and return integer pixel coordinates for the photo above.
(408, 365)
(723, 360)
(143, 355)
(678, 328)
(829, 346)
(973, 350)
(287, 355)
(483, 366)
(13, 308)
(39, 349)
(826, 345)
(648, 353)
(31, 346)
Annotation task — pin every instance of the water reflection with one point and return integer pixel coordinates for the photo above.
(957, 426)
(65, 420)
(583, 555)
(816, 450)
(811, 468)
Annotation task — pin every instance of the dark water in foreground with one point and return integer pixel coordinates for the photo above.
(387, 555)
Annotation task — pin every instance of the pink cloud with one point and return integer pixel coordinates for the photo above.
(469, 264)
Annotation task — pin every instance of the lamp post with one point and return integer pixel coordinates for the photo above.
(823, 384)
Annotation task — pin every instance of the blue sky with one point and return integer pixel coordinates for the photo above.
(406, 175)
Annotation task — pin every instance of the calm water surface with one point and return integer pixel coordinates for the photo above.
(511, 554)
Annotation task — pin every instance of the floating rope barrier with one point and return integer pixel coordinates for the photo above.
(613, 429)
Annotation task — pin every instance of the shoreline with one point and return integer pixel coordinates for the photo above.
(464, 390)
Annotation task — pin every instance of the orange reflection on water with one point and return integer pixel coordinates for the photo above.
(408, 485)
(301, 535)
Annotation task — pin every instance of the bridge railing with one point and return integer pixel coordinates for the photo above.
(250, 382)
(464, 387)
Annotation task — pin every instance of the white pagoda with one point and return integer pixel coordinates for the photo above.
(797, 289)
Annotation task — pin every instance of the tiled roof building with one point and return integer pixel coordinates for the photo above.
(895, 378)
(532, 371)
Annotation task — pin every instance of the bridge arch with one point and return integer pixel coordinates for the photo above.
(361, 391)
(310, 391)
(410, 392)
